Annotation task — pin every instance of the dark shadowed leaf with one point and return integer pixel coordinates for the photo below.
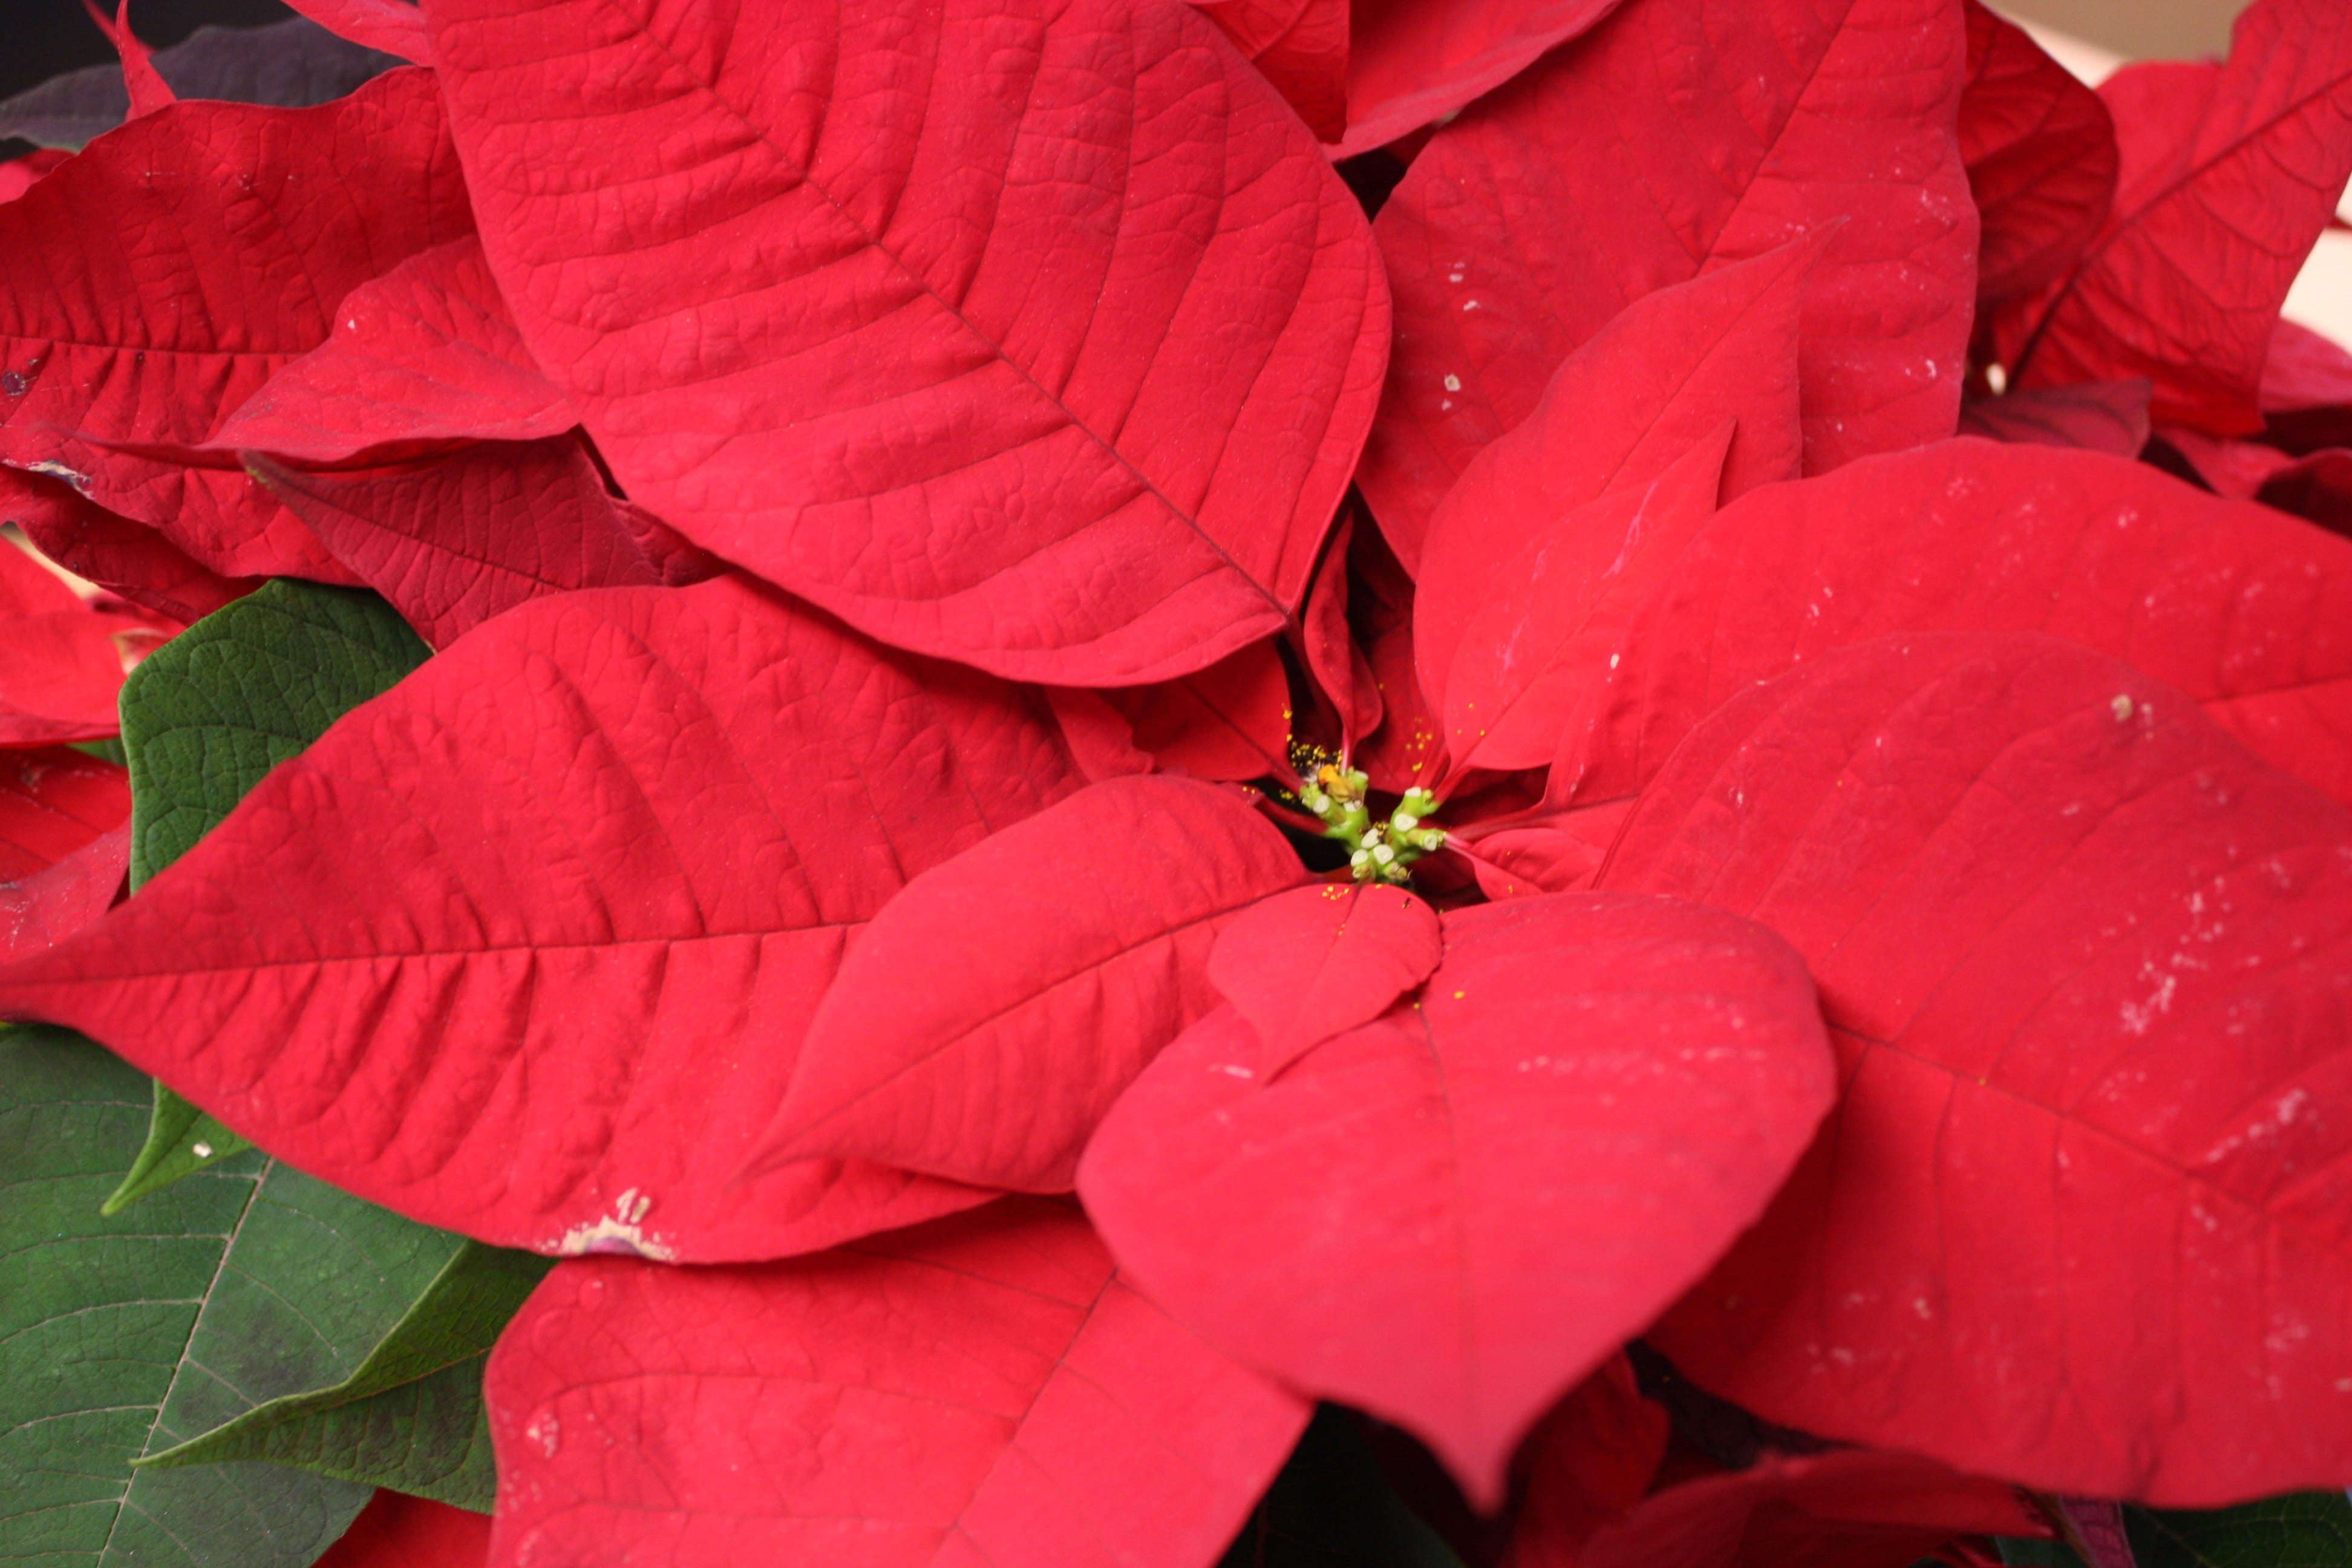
(2306, 1529)
(1331, 1507)
(293, 64)
(410, 1417)
(2108, 416)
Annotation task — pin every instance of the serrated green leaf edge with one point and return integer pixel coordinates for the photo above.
(427, 1373)
(325, 651)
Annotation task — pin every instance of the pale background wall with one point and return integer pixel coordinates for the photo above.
(2091, 37)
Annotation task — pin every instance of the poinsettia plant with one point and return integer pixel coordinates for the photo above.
(891, 768)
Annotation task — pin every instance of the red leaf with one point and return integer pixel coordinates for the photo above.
(993, 1010)
(1231, 721)
(125, 558)
(1559, 852)
(1337, 665)
(2237, 470)
(426, 352)
(51, 904)
(1301, 46)
(453, 540)
(1666, 373)
(399, 1531)
(2099, 1525)
(52, 802)
(2303, 370)
(2317, 489)
(1587, 1461)
(2041, 154)
(1306, 964)
(880, 373)
(99, 263)
(1413, 63)
(147, 89)
(2078, 1218)
(468, 954)
(1511, 631)
(2247, 611)
(29, 588)
(1449, 1216)
(1683, 136)
(61, 676)
(1847, 1510)
(18, 176)
(393, 26)
(1100, 739)
(2213, 216)
(1403, 751)
(981, 1390)
(2108, 416)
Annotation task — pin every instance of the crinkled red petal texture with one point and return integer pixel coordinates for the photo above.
(1230, 722)
(1301, 46)
(2108, 416)
(2228, 179)
(2247, 611)
(982, 1390)
(1412, 64)
(454, 540)
(99, 263)
(52, 802)
(394, 26)
(2078, 1219)
(525, 948)
(399, 1531)
(997, 339)
(1680, 136)
(993, 1010)
(1306, 964)
(1850, 1509)
(2041, 153)
(426, 352)
(1510, 630)
(1449, 1216)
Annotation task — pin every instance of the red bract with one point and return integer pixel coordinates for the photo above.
(1411, 65)
(1231, 721)
(1301, 46)
(486, 930)
(2085, 958)
(2228, 178)
(118, 554)
(1678, 137)
(2041, 153)
(98, 263)
(453, 540)
(52, 802)
(1302, 966)
(1668, 371)
(426, 352)
(44, 907)
(1059, 957)
(2247, 611)
(396, 1531)
(985, 1390)
(394, 26)
(874, 369)
(2108, 416)
(1422, 1215)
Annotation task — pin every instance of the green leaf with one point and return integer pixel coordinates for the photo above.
(1331, 1507)
(2306, 1529)
(412, 1417)
(207, 715)
(181, 1140)
(203, 718)
(126, 1335)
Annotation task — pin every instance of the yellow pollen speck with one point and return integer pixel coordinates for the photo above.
(1459, 995)
(2121, 707)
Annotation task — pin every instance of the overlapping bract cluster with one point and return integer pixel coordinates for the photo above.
(877, 481)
